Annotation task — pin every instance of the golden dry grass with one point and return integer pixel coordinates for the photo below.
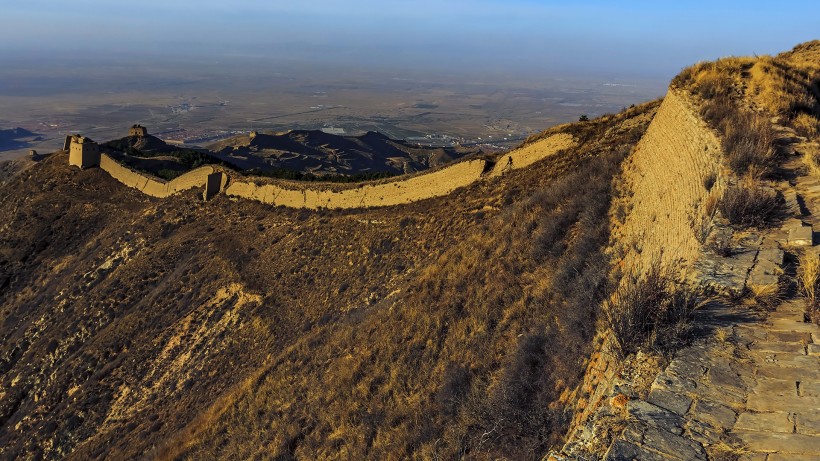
(766, 296)
(808, 281)
(739, 96)
(470, 359)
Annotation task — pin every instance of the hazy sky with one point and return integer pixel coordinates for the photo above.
(652, 38)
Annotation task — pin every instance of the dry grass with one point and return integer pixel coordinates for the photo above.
(787, 86)
(812, 161)
(740, 95)
(724, 335)
(807, 125)
(651, 310)
(808, 281)
(747, 203)
(766, 296)
(702, 218)
(469, 360)
(727, 451)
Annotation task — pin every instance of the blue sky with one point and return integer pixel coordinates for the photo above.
(653, 37)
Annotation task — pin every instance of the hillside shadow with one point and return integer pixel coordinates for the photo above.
(17, 138)
(720, 313)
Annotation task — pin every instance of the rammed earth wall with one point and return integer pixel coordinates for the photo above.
(665, 179)
(312, 196)
(153, 186)
(668, 178)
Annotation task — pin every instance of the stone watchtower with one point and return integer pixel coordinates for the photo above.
(83, 152)
(138, 130)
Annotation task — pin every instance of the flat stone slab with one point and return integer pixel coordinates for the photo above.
(790, 457)
(725, 273)
(768, 267)
(801, 236)
(813, 349)
(766, 422)
(794, 360)
(725, 377)
(674, 383)
(808, 421)
(672, 445)
(727, 395)
(775, 442)
(655, 416)
(626, 451)
(773, 255)
(747, 333)
(716, 414)
(675, 402)
(792, 324)
(778, 387)
(760, 278)
(788, 373)
(790, 197)
(794, 348)
(753, 457)
(702, 432)
(789, 336)
(789, 403)
(810, 389)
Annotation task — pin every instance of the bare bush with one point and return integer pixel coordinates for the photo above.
(748, 204)
(808, 281)
(651, 310)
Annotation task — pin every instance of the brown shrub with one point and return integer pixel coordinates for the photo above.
(748, 204)
(808, 281)
(651, 310)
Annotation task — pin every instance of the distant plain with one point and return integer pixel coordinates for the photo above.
(201, 100)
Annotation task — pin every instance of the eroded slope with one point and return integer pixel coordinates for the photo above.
(134, 326)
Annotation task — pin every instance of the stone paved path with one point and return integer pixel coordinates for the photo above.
(782, 410)
(752, 388)
(749, 389)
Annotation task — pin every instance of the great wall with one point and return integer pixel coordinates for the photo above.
(717, 391)
(741, 389)
(84, 153)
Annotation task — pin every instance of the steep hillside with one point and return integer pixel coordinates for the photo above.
(481, 310)
(136, 327)
(717, 191)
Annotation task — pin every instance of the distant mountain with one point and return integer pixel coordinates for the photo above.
(143, 144)
(15, 138)
(320, 153)
(153, 155)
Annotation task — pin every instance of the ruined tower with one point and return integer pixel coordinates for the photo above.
(83, 152)
(138, 130)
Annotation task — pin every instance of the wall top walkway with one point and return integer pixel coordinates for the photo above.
(293, 194)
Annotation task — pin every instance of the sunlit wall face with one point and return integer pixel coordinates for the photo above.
(650, 37)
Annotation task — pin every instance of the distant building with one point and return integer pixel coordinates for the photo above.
(83, 152)
(138, 130)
